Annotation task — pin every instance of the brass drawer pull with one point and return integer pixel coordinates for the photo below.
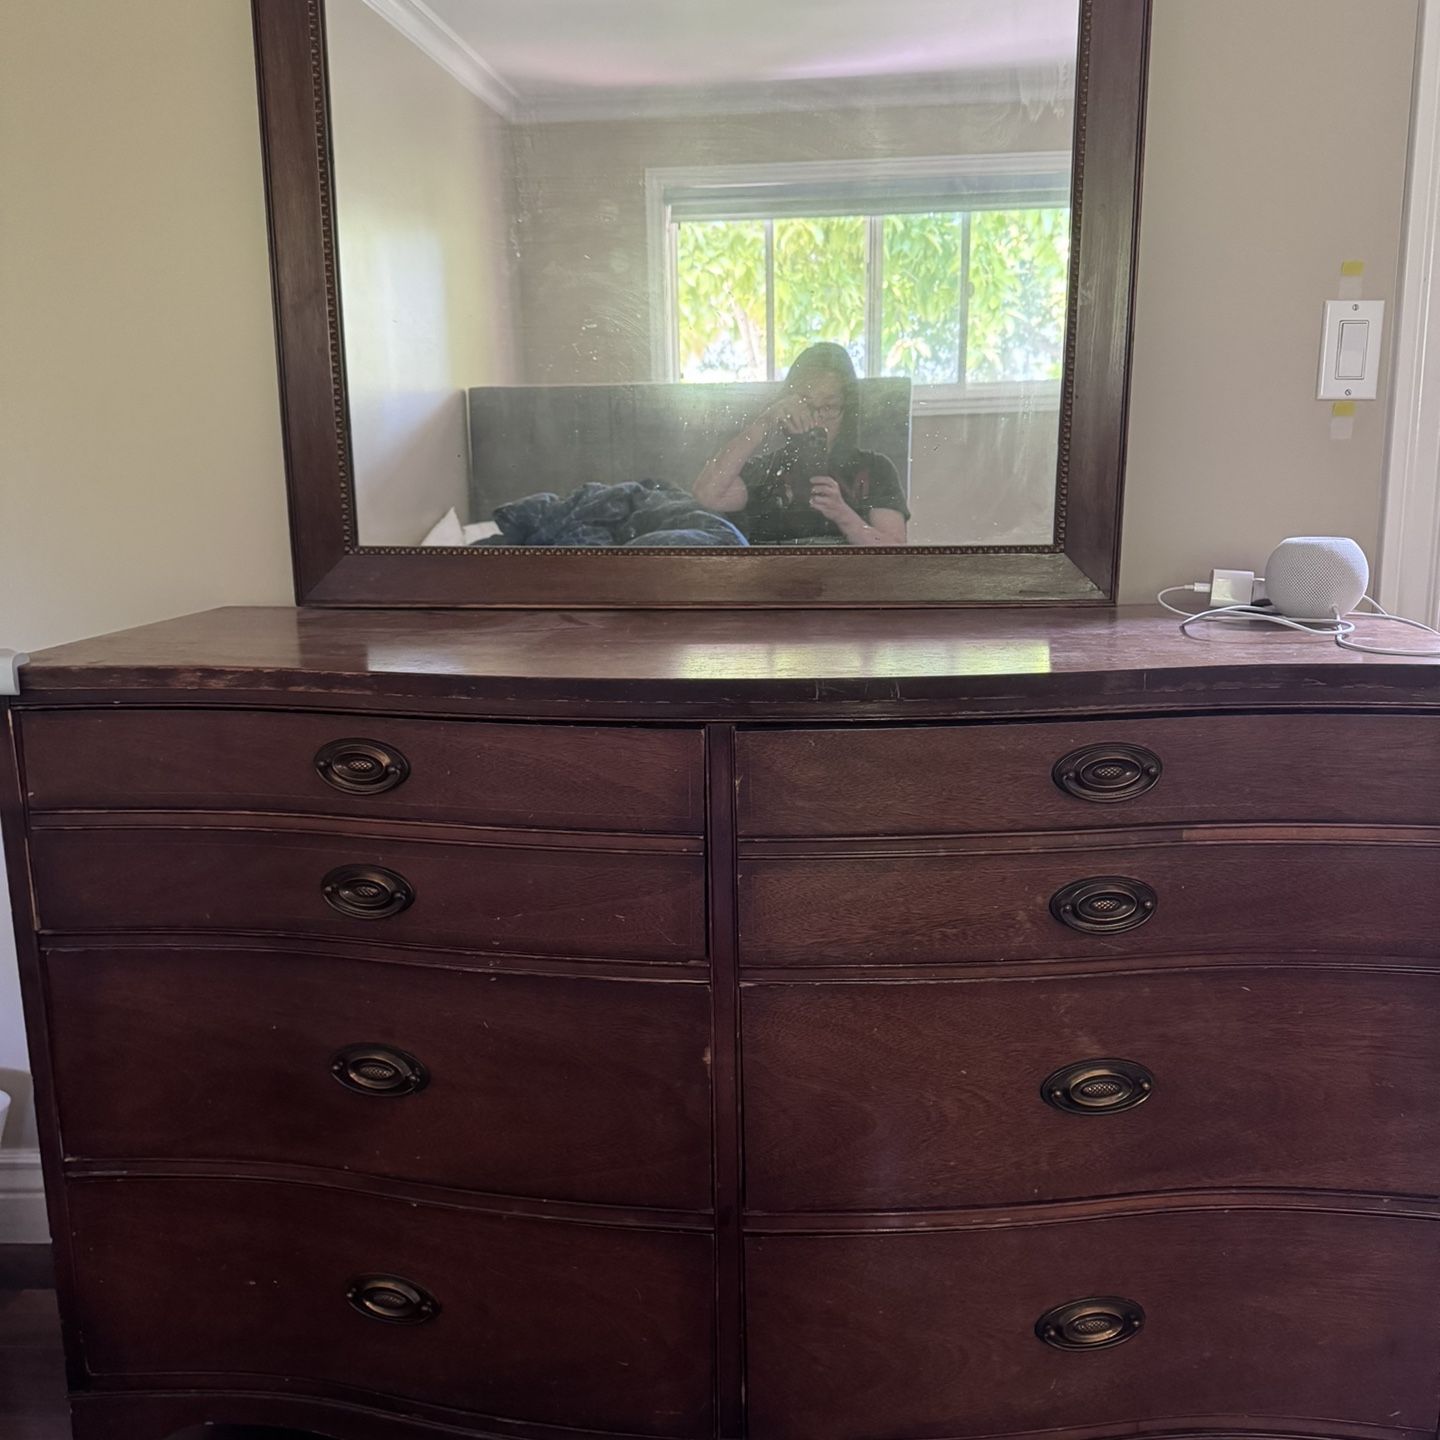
(1095, 1324)
(1104, 905)
(361, 767)
(1098, 1087)
(1108, 774)
(366, 892)
(378, 1070)
(392, 1300)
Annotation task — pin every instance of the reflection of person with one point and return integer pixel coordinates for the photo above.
(796, 474)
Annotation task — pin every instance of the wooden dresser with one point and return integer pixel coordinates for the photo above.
(897, 1026)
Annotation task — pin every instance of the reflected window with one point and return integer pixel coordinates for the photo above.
(954, 278)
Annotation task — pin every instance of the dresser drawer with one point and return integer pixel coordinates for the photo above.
(962, 779)
(1299, 1315)
(544, 1086)
(542, 1321)
(944, 1094)
(632, 905)
(559, 777)
(983, 907)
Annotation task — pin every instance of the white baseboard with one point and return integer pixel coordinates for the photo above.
(22, 1199)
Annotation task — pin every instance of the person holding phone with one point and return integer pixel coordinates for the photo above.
(796, 475)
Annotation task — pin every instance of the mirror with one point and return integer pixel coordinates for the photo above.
(673, 273)
(806, 305)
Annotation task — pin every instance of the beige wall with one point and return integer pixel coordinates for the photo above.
(140, 466)
(1251, 206)
(141, 470)
(423, 227)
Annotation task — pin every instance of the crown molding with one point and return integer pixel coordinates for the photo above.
(1055, 84)
(1036, 87)
(419, 24)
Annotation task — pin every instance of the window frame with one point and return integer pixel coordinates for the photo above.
(959, 398)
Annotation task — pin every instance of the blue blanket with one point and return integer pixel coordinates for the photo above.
(637, 512)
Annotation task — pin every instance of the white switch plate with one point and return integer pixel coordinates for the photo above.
(1350, 349)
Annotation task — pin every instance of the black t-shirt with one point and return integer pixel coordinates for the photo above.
(779, 512)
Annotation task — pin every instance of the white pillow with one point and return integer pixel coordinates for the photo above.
(447, 530)
(483, 531)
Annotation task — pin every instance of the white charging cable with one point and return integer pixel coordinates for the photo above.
(1334, 626)
(1381, 613)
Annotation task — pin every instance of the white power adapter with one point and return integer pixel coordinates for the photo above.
(1231, 587)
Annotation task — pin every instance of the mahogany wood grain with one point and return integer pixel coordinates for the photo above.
(1360, 896)
(729, 1169)
(405, 1191)
(961, 779)
(14, 832)
(1109, 149)
(1100, 1207)
(327, 947)
(580, 903)
(888, 1097)
(304, 284)
(560, 1089)
(1305, 1312)
(645, 665)
(131, 1416)
(1297, 1317)
(562, 777)
(603, 1328)
(284, 1413)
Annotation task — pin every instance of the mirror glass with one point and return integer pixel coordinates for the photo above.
(703, 272)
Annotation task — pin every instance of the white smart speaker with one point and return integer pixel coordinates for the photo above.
(1315, 577)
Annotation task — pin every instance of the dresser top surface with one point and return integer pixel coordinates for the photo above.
(676, 660)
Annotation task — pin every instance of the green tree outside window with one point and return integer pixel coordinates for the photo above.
(961, 298)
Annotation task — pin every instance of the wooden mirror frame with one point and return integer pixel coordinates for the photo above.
(332, 568)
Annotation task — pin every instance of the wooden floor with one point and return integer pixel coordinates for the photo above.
(32, 1374)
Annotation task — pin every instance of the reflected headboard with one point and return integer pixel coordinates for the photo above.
(526, 438)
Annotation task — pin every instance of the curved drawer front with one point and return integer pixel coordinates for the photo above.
(989, 906)
(632, 905)
(593, 1327)
(1014, 1091)
(1245, 1313)
(964, 779)
(548, 1087)
(560, 777)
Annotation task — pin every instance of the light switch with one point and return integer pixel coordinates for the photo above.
(1350, 349)
(1354, 340)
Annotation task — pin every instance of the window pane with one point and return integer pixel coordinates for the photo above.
(920, 329)
(820, 269)
(720, 299)
(1019, 268)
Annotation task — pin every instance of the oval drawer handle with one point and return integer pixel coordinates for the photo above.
(378, 1070)
(1104, 905)
(361, 767)
(367, 892)
(1098, 1087)
(1108, 774)
(1094, 1324)
(392, 1300)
